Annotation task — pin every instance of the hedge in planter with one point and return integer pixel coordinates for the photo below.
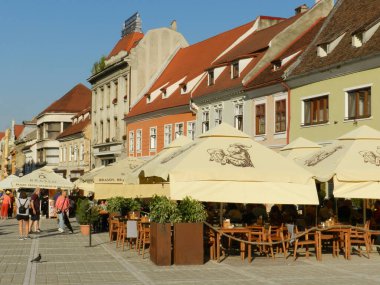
(86, 214)
(188, 235)
(163, 213)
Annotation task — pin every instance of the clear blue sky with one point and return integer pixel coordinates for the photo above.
(48, 46)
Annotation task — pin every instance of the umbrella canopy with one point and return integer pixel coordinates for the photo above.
(353, 160)
(43, 178)
(152, 168)
(7, 182)
(226, 165)
(300, 147)
(116, 173)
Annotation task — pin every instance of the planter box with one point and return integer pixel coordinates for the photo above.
(85, 230)
(160, 244)
(188, 244)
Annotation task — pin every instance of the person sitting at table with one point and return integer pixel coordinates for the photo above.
(234, 213)
(327, 211)
(275, 216)
(289, 214)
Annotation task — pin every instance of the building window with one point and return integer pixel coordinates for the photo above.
(260, 119)
(153, 138)
(167, 135)
(205, 121)
(75, 152)
(235, 70)
(178, 130)
(70, 153)
(138, 140)
(276, 65)
(238, 118)
(81, 152)
(316, 110)
(131, 141)
(280, 116)
(218, 116)
(64, 154)
(359, 103)
(116, 89)
(191, 130)
(108, 90)
(211, 79)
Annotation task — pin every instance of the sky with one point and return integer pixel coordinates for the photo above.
(49, 46)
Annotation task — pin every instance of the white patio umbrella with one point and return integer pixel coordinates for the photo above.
(298, 148)
(353, 161)
(7, 182)
(43, 178)
(86, 181)
(226, 165)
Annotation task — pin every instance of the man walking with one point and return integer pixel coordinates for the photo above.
(62, 206)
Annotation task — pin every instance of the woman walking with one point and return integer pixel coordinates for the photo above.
(5, 206)
(23, 204)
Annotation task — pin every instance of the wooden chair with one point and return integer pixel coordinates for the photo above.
(112, 227)
(121, 233)
(211, 241)
(361, 237)
(275, 237)
(145, 239)
(306, 239)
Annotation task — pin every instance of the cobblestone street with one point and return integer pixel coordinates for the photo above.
(67, 259)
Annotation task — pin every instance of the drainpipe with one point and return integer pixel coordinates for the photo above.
(288, 113)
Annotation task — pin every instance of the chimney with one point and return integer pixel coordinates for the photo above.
(173, 25)
(301, 9)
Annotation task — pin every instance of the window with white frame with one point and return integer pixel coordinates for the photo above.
(238, 116)
(153, 138)
(235, 70)
(81, 152)
(358, 103)
(280, 115)
(75, 150)
(260, 119)
(205, 121)
(167, 135)
(70, 153)
(178, 130)
(138, 140)
(316, 110)
(131, 141)
(191, 130)
(218, 115)
(211, 77)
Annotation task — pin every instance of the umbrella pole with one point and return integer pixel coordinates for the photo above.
(364, 210)
(221, 214)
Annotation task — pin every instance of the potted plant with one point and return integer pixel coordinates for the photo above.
(134, 207)
(86, 215)
(188, 234)
(163, 212)
(117, 206)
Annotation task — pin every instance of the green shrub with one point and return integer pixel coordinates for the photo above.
(117, 205)
(163, 210)
(86, 214)
(192, 211)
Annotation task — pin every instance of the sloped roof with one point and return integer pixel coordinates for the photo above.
(255, 46)
(348, 16)
(188, 63)
(18, 130)
(2, 134)
(75, 128)
(269, 76)
(77, 99)
(126, 43)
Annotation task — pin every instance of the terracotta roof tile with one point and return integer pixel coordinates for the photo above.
(75, 128)
(18, 130)
(126, 43)
(268, 76)
(348, 16)
(2, 134)
(188, 63)
(77, 99)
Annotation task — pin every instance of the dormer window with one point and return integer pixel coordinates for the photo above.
(147, 96)
(183, 88)
(164, 94)
(357, 40)
(322, 50)
(235, 70)
(276, 65)
(211, 79)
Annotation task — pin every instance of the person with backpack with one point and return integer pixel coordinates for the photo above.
(62, 207)
(23, 205)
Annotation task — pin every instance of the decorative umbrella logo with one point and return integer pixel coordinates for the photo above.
(371, 157)
(236, 154)
(321, 155)
(41, 176)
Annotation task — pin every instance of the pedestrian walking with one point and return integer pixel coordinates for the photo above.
(5, 205)
(35, 211)
(62, 207)
(11, 209)
(23, 204)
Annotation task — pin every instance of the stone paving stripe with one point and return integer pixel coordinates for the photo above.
(30, 274)
(132, 269)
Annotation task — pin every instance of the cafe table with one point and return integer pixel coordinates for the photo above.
(337, 234)
(242, 231)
